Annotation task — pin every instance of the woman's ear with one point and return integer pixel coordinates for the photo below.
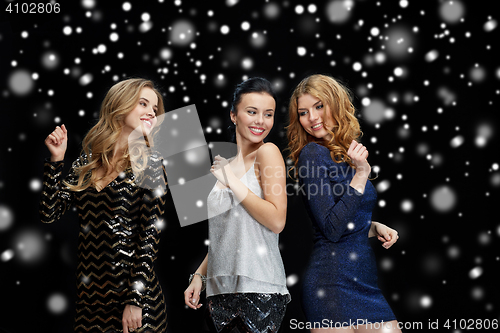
(233, 117)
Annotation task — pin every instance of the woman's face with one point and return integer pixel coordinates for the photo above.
(315, 117)
(255, 117)
(144, 113)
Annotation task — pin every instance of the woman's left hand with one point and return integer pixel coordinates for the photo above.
(132, 318)
(221, 170)
(384, 234)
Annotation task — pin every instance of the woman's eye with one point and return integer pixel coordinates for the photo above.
(269, 115)
(303, 113)
(319, 106)
(142, 103)
(252, 112)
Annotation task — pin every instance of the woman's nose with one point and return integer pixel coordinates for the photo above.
(313, 115)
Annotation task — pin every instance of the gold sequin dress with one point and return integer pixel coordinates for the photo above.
(117, 245)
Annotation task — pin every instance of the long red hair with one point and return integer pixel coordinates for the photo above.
(339, 99)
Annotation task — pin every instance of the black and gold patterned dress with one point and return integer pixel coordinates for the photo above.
(117, 245)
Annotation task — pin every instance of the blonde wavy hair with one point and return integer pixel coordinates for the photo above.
(100, 141)
(339, 99)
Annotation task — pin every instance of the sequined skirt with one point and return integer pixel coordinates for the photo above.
(247, 312)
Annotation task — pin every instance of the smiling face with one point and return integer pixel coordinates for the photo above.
(144, 113)
(315, 117)
(254, 117)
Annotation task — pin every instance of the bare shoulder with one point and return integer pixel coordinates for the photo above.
(269, 153)
(268, 148)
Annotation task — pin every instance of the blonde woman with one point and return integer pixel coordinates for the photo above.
(340, 289)
(112, 187)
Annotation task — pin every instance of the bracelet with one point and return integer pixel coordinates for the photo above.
(203, 280)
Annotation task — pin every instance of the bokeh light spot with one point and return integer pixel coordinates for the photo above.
(443, 199)
(291, 280)
(30, 246)
(182, 33)
(451, 11)
(57, 303)
(339, 11)
(20, 82)
(374, 112)
(6, 217)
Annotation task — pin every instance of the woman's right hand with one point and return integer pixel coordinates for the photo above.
(57, 142)
(193, 292)
(358, 154)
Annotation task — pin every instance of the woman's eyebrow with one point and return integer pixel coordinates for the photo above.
(253, 107)
(319, 101)
(156, 106)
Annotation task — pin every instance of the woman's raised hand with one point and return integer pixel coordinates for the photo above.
(358, 154)
(57, 142)
(221, 169)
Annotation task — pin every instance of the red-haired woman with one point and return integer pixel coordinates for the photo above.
(340, 283)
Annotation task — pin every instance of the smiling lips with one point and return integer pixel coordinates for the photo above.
(317, 127)
(256, 130)
(147, 121)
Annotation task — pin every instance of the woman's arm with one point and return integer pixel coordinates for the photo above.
(147, 236)
(55, 198)
(332, 203)
(358, 154)
(270, 211)
(193, 291)
(384, 234)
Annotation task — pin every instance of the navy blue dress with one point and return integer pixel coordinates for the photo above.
(340, 282)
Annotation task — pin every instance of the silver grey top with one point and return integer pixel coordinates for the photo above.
(243, 255)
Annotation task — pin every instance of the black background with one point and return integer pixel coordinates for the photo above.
(436, 251)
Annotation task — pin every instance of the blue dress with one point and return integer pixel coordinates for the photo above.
(340, 282)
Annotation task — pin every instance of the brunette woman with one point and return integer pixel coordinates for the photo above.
(243, 271)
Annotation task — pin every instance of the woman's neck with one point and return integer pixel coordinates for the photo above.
(120, 148)
(247, 149)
